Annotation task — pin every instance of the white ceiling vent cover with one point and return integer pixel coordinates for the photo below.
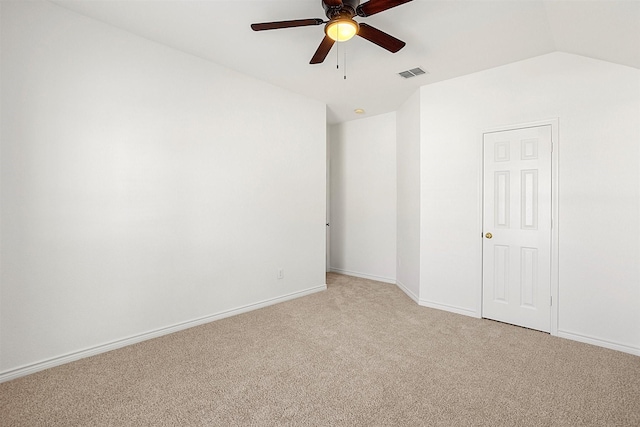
(412, 73)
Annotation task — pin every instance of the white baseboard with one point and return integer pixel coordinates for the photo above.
(103, 348)
(363, 275)
(599, 342)
(406, 290)
(450, 308)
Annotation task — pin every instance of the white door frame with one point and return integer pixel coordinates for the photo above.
(554, 123)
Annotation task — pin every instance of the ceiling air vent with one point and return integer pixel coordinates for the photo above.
(412, 72)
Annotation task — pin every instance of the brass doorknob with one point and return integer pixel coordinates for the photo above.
(488, 235)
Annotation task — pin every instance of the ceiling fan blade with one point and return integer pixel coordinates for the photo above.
(380, 38)
(376, 6)
(323, 50)
(286, 24)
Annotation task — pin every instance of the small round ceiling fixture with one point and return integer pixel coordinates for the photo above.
(358, 111)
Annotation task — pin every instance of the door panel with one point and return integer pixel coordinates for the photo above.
(517, 217)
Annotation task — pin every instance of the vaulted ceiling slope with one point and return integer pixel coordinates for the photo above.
(448, 38)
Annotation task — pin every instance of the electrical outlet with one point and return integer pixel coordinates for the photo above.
(281, 273)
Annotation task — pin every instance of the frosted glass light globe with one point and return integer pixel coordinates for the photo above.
(342, 29)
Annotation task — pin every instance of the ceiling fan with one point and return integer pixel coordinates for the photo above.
(341, 25)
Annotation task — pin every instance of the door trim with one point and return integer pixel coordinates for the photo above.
(555, 211)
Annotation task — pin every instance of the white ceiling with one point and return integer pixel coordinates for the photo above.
(448, 38)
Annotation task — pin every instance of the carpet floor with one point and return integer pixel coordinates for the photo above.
(360, 354)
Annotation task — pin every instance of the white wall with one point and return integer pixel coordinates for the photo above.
(598, 106)
(408, 199)
(363, 197)
(143, 188)
(328, 201)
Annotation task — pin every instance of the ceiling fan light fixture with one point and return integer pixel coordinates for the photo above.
(342, 29)
(341, 26)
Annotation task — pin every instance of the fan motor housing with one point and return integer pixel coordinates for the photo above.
(348, 8)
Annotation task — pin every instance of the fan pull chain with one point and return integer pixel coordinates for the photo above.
(345, 65)
(338, 54)
(344, 76)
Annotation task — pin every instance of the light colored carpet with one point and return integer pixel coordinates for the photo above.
(359, 354)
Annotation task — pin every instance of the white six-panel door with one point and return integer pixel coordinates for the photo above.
(517, 227)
